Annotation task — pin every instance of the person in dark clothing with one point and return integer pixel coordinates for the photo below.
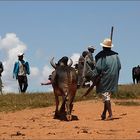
(81, 69)
(91, 50)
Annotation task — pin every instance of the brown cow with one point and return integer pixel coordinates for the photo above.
(64, 82)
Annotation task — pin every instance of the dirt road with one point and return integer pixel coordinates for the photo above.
(86, 123)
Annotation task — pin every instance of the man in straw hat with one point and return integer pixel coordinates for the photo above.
(108, 65)
(20, 71)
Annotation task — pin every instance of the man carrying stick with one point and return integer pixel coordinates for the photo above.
(106, 74)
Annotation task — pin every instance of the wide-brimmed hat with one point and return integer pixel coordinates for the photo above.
(107, 43)
(20, 54)
(91, 48)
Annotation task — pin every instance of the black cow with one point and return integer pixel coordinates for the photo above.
(64, 82)
(136, 74)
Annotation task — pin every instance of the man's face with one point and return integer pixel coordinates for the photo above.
(92, 50)
(20, 57)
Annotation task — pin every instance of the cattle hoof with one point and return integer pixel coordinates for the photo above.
(56, 115)
(63, 112)
(69, 117)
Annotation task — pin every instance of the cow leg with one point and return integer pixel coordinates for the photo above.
(56, 109)
(69, 108)
(62, 108)
(139, 79)
(71, 103)
(68, 116)
(133, 77)
(133, 80)
(136, 80)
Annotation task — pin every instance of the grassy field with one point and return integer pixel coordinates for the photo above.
(14, 102)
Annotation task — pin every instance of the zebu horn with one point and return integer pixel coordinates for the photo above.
(52, 63)
(71, 62)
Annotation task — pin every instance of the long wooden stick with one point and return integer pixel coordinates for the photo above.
(111, 35)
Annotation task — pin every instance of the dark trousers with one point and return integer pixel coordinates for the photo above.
(23, 83)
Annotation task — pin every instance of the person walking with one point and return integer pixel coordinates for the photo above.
(1, 70)
(91, 50)
(20, 71)
(81, 69)
(108, 65)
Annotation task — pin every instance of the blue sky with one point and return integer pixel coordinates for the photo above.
(43, 29)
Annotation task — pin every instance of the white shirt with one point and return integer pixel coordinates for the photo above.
(22, 71)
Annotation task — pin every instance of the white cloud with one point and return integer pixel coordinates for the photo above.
(11, 87)
(12, 45)
(39, 53)
(75, 58)
(34, 72)
(46, 72)
(9, 41)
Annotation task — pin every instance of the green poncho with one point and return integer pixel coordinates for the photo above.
(108, 62)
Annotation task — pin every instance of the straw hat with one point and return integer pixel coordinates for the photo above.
(107, 43)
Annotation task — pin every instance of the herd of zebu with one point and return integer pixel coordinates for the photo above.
(64, 82)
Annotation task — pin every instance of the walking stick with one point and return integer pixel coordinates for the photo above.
(111, 35)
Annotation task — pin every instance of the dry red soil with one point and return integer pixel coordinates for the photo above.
(86, 123)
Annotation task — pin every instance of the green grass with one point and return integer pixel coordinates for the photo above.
(14, 102)
(130, 91)
(128, 103)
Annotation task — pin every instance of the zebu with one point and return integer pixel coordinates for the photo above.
(136, 74)
(64, 83)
